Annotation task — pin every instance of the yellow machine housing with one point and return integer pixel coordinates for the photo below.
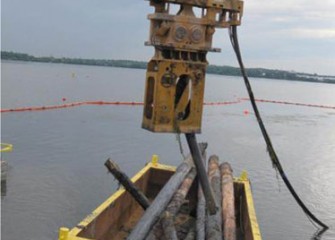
(175, 78)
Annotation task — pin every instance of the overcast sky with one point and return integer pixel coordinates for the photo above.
(278, 34)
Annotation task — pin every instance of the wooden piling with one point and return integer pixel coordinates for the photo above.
(228, 202)
(169, 230)
(153, 213)
(191, 235)
(184, 222)
(214, 222)
(201, 204)
(175, 203)
(179, 197)
(137, 194)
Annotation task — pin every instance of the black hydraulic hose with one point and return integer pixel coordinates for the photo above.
(199, 164)
(275, 160)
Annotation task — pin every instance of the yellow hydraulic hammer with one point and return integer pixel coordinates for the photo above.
(175, 78)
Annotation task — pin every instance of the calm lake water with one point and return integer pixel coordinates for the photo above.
(57, 176)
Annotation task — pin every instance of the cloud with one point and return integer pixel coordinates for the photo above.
(312, 33)
(299, 12)
(273, 32)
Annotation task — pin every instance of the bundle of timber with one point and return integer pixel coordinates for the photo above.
(163, 202)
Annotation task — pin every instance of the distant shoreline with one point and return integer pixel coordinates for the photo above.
(211, 69)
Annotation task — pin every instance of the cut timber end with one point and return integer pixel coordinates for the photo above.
(228, 202)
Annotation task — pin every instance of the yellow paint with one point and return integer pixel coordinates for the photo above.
(252, 213)
(164, 167)
(243, 176)
(63, 233)
(6, 147)
(154, 159)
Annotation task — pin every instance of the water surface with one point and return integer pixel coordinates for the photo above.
(57, 176)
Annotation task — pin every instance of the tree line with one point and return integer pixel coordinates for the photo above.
(213, 69)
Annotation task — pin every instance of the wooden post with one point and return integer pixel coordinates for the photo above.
(191, 235)
(152, 214)
(180, 195)
(169, 229)
(201, 205)
(228, 202)
(184, 222)
(175, 204)
(214, 222)
(137, 194)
